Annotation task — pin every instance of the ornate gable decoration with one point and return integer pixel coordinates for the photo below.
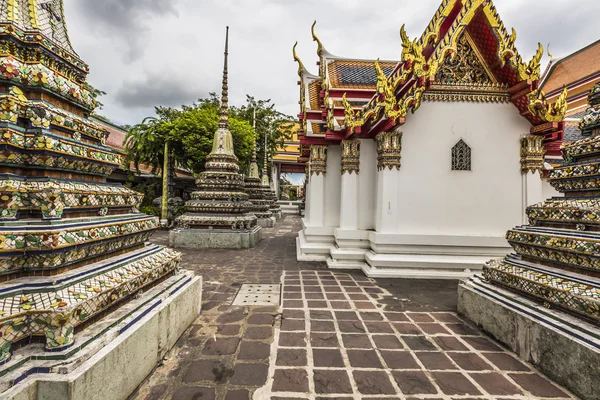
(464, 67)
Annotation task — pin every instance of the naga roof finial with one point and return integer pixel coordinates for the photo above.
(224, 119)
(297, 59)
(316, 39)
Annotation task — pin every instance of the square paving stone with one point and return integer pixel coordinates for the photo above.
(201, 370)
(333, 289)
(433, 329)
(418, 343)
(234, 315)
(335, 296)
(316, 304)
(358, 297)
(222, 346)
(261, 319)
(186, 393)
(399, 317)
(292, 339)
(445, 317)
(414, 382)
(537, 385)
(420, 317)
(454, 383)
(237, 395)
(449, 343)
(346, 316)
(330, 382)
(341, 305)
(254, 351)
(249, 374)
(293, 314)
(364, 305)
(314, 296)
(353, 290)
(292, 325)
(371, 316)
(407, 329)
(321, 314)
(290, 380)
(292, 288)
(292, 296)
(387, 342)
(324, 339)
(258, 332)
(322, 326)
(328, 358)
(496, 384)
(482, 344)
(293, 303)
(379, 327)
(470, 361)
(356, 342)
(351, 327)
(313, 289)
(463, 330)
(435, 360)
(506, 362)
(373, 382)
(291, 358)
(228, 330)
(364, 359)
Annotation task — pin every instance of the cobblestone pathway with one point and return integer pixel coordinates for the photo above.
(336, 336)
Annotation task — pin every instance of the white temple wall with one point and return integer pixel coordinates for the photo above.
(367, 182)
(434, 200)
(333, 181)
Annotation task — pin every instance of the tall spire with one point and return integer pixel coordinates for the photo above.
(224, 120)
(265, 177)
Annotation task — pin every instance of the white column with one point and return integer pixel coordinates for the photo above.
(316, 199)
(349, 207)
(387, 206)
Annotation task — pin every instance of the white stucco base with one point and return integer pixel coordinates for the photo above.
(119, 359)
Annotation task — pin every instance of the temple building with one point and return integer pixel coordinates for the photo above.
(579, 71)
(79, 279)
(425, 193)
(555, 264)
(285, 159)
(219, 213)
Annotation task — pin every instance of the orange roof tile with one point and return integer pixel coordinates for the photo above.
(574, 67)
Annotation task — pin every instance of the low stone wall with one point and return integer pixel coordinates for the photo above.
(562, 347)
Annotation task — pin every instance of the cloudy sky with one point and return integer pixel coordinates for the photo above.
(169, 52)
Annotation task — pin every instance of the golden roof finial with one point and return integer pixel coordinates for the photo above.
(316, 39)
(548, 50)
(297, 59)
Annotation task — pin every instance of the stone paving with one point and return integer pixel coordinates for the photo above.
(336, 335)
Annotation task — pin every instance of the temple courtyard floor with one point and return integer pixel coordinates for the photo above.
(336, 335)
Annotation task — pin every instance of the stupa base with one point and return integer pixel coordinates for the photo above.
(113, 356)
(561, 346)
(215, 238)
(266, 222)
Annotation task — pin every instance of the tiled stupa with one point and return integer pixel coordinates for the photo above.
(260, 204)
(72, 246)
(557, 258)
(269, 192)
(219, 213)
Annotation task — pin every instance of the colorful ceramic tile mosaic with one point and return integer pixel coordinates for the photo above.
(558, 254)
(69, 249)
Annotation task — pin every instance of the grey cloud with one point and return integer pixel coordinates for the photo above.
(127, 20)
(157, 90)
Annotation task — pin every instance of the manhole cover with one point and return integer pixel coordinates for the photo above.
(257, 295)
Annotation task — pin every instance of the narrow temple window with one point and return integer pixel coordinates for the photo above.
(461, 156)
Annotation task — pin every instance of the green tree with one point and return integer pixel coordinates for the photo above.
(276, 126)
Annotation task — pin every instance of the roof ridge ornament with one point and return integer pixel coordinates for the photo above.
(301, 68)
(320, 47)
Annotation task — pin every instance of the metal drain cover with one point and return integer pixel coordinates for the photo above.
(251, 294)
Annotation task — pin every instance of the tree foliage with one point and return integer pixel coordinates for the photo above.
(190, 131)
